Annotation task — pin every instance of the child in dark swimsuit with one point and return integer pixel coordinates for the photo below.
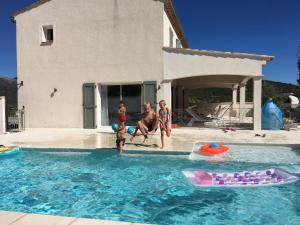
(120, 136)
(164, 121)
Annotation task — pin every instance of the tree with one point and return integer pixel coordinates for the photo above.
(298, 56)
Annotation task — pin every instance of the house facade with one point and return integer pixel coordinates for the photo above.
(78, 58)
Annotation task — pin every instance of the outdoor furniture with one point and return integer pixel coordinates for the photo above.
(211, 117)
(216, 119)
(196, 117)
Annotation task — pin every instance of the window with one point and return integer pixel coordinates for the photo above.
(178, 44)
(47, 35)
(171, 38)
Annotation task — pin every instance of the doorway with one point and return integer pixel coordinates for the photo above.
(111, 95)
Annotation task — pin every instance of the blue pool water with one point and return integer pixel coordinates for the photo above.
(146, 188)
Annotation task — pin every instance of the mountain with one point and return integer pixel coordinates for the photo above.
(8, 88)
(270, 89)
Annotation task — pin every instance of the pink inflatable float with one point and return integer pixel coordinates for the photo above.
(268, 177)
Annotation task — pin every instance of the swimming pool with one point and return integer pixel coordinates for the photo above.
(147, 188)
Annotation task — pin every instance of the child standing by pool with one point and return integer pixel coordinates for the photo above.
(122, 112)
(164, 121)
(120, 137)
(120, 141)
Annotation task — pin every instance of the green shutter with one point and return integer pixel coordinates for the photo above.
(89, 106)
(178, 44)
(149, 93)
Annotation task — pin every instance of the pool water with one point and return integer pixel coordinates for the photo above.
(145, 188)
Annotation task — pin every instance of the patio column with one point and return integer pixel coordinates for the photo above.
(242, 101)
(167, 93)
(257, 86)
(234, 95)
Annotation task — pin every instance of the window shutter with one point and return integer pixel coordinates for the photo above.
(89, 106)
(149, 93)
(178, 44)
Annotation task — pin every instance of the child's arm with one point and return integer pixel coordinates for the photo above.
(168, 115)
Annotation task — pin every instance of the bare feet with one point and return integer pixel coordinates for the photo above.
(145, 140)
(162, 147)
(131, 137)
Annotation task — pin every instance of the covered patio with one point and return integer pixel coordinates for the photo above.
(188, 69)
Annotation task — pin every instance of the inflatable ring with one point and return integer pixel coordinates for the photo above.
(10, 151)
(5, 148)
(213, 149)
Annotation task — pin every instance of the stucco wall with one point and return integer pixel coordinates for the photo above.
(167, 26)
(180, 65)
(94, 41)
(2, 115)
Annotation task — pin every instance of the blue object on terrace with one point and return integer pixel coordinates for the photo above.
(271, 116)
(115, 126)
(130, 130)
(214, 145)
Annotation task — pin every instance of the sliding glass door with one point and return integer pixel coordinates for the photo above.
(111, 95)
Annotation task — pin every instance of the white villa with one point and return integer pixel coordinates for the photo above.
(77, 59)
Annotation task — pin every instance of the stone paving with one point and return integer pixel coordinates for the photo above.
(182, 139)
(15, 218)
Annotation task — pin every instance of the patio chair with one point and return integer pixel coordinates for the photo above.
(216, 118)
(196, 117)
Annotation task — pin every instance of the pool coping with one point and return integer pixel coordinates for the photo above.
(153, 151)
(20, 218)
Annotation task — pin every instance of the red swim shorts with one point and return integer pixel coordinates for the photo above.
(122, 118)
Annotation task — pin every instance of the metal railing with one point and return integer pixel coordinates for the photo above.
(229, 117)
(240, 118)
(15, 120)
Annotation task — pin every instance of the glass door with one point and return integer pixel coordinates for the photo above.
(132, 97)
(111, 95)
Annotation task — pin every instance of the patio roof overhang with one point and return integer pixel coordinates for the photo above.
(180, 63)
(192, 68)
(212, 81)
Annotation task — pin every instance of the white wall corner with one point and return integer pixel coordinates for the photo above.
(2, 115)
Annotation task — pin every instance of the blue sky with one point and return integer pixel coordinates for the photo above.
(269, 27)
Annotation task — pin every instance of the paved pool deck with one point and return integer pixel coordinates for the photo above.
(181, 140)
(16, 218)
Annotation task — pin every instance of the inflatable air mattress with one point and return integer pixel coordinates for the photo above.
(7, 151)
(256, 178)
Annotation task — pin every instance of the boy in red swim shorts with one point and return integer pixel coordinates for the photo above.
(122, 112)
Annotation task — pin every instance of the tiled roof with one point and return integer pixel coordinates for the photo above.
(171, 12)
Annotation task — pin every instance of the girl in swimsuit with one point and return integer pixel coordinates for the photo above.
(164, 121)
